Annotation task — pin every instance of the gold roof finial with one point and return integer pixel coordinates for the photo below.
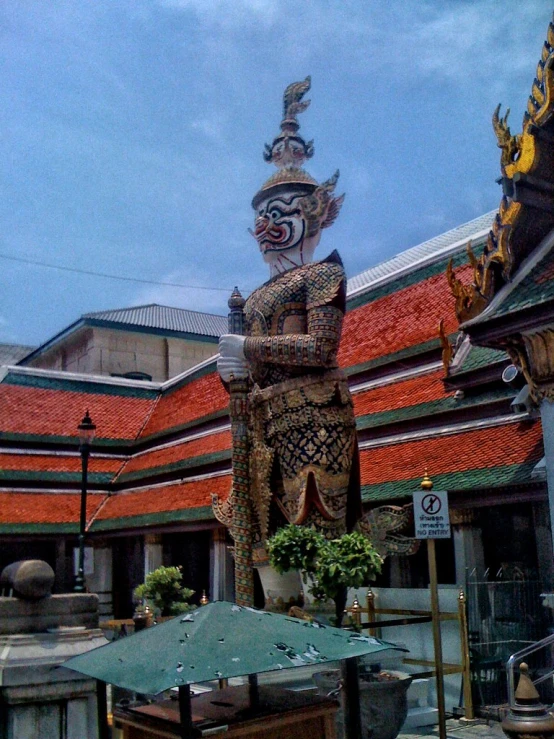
(426, 483)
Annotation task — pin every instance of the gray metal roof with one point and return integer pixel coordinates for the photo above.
(165, 318)
(421, 254)
(13, 353)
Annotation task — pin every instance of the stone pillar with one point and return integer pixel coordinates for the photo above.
(101, 580)
(543, 540)
(547, 418)
(221, 582)
(468, 543)
(63, 581)
(153, 553)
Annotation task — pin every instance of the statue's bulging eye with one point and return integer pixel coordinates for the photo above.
(275, 213)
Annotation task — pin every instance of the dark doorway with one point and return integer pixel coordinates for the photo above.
(509, 541)
(191, 552)
(128, 572)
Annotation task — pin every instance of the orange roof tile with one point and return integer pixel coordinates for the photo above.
(43, 508)
(172, 454)
(413, 391)
(405, 318)
(192, 401)
(511, 443)
(193, 494)
(32, 410)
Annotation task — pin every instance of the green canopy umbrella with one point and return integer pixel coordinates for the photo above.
(218, 640)
(222, 640)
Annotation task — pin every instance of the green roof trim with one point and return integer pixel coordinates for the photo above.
(79, 386)
(407, 280)
(479, 357)
(44, 476)
(431, 408)
(465, 482)
(183, 464)
(39, 528)
(531, 291)
(202, 513)
(56, 440)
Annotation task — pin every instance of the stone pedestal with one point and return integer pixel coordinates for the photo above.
(39, 698)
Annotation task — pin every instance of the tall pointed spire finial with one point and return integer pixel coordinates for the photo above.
(289, 148)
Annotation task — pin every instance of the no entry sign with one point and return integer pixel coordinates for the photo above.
(431, 514)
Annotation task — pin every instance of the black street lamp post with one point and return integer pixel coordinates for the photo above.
(86, 435)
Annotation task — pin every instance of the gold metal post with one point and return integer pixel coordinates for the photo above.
(370, 598)
(356, 611)
(427, 484)
(464, 640)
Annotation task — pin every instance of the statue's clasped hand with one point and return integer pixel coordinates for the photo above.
(231, 362)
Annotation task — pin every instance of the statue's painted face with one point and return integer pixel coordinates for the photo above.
(280, 223)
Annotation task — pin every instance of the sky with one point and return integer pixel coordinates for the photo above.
(131, 137)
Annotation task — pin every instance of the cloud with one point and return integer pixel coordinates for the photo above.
(193, 298)
(227, 14)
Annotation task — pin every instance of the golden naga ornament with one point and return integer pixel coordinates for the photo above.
(526, 212)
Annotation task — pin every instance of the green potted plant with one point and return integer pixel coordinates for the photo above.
(335, 565)
(164, 592)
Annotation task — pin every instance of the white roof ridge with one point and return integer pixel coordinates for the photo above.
(431, 250)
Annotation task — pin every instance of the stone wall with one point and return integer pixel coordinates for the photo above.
(101, 351)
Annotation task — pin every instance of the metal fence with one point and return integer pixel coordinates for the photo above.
(504, 616)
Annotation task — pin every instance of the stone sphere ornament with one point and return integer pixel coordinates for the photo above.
(30, 579)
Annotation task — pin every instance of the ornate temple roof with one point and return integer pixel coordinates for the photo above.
(462, 460)
(526, 213)
(162, 448)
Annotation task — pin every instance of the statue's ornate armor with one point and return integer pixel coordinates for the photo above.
(303, 433)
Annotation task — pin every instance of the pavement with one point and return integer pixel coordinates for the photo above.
(462, 729)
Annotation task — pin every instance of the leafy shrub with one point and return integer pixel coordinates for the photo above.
(348, 562)
(164, 592)
(336, 565)
(294, 548)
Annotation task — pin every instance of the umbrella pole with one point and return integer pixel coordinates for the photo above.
(253, 690)
(185, 712)
(351, 692)
(102, 709)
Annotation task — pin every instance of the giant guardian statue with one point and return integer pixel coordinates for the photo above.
(300, 426)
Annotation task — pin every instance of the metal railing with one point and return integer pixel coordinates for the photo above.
(408, 617)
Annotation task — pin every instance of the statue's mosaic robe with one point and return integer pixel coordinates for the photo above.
(303, 465)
